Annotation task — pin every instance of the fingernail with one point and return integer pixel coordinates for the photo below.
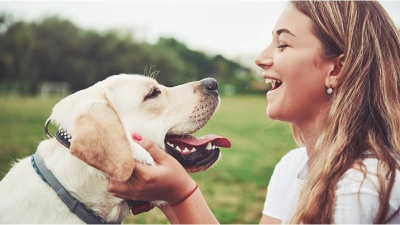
(137, 137)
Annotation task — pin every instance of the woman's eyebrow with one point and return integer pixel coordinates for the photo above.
(283, 30)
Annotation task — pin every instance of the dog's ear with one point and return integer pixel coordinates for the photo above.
(99, 140)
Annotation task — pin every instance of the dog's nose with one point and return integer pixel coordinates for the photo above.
(210, 84)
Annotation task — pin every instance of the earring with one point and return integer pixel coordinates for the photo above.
(329, 90)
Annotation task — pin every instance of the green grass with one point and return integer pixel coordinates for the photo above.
(234, 188)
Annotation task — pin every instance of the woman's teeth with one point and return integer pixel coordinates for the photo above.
(275, 83)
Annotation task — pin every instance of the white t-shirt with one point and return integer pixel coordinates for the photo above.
(356, 201)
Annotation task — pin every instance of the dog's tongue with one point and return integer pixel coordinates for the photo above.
(199, 141)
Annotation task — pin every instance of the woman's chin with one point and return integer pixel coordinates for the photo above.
(271, 114)
(274, 114)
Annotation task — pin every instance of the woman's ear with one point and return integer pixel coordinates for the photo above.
(335, 72)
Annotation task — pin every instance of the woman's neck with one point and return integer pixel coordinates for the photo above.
(310, 133)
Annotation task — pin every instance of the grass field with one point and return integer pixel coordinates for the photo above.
(235, 188)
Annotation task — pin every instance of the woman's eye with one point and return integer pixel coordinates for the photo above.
(153, 94)
(282, 47)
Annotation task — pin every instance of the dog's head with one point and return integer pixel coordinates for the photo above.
(102, 118)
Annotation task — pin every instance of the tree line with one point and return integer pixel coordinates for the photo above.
(55, 49)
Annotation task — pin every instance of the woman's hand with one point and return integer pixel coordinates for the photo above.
(167, 180)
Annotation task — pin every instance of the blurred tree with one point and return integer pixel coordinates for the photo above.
(196, 65)
(55, 49)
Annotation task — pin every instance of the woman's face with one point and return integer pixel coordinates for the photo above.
(293, 61)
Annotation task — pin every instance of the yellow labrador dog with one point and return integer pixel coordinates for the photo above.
(66, 180)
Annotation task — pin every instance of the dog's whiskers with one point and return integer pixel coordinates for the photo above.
(151, 72)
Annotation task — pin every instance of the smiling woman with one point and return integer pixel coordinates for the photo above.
(346, 156)
(291, 61)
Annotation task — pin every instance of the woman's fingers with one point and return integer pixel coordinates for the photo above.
(156, 152)
(167, 180)
(117, 187)
(135, 182)
(122, 196)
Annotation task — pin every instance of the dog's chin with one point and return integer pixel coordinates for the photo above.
(197, 161)
(196, 154)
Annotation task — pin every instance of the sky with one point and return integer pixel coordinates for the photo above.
(234, 29)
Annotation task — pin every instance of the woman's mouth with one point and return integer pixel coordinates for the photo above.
(275, 83)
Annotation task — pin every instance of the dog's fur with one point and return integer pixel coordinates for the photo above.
(101, 120)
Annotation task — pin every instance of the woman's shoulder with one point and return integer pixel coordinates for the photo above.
(363, 177)
(294, 158)
(296, 154)
(358, 189)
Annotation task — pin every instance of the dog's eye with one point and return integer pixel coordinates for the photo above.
(153, 93)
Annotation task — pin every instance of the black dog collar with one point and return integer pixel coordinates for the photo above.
(63, 137)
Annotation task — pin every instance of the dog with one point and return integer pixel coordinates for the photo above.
(94, 144)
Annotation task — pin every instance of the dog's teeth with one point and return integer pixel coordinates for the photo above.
(209, 147)
(170, 144)
(193, 149)
(177, 148)
(213, 147)
(186, 150)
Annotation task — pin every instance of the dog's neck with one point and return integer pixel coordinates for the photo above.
(76, 206)
(82, 181)
(137, 207)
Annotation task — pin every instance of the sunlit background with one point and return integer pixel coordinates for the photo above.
(232, 28)
(49, 49)
(46, 41)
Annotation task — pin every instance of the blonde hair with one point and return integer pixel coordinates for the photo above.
(363, 119)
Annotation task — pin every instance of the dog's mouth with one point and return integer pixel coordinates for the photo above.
(196, 153)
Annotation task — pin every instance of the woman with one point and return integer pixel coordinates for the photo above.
(334, 69)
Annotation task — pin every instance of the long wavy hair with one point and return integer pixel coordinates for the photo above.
(363, 118)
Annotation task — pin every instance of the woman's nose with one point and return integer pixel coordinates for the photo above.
(264, 59)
